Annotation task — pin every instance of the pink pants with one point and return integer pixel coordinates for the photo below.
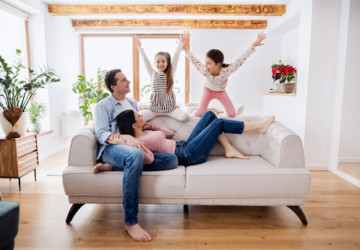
(222, 96)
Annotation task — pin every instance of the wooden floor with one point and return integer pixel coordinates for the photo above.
(332, 209)
(350, 168)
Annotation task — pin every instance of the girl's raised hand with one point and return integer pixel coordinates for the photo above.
(261, 37)
(138, 42)
(185, 36)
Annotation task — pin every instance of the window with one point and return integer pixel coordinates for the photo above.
(10, 40)
(119, 51)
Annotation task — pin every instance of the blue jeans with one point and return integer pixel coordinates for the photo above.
(131, 161)
(197, 148)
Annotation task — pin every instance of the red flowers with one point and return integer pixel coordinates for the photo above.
(283, 72)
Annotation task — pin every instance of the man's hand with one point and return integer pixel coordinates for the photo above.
(147, 125)
(125, 140)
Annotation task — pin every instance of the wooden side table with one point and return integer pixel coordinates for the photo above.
(19, 157)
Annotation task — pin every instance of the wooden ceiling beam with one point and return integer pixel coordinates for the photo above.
(242, 10)
(157, 23)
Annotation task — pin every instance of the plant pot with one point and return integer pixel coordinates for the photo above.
(35, 127)
(285, 87)
(20, 126)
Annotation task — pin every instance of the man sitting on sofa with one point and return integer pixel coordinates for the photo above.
(128, 156)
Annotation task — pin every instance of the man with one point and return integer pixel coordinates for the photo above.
(127, 156)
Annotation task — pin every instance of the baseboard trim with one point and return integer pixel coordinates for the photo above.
(349, 160)
(316, 167)
(346, 177)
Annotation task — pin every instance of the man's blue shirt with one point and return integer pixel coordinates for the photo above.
(106, 112)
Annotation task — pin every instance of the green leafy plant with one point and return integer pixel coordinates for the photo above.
(36, 111)
(90, 92)
(16, 92)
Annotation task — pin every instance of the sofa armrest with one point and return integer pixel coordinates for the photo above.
(83, 148)
(282, 147)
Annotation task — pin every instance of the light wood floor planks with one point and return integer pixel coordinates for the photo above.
(332, 209)
(350, 168)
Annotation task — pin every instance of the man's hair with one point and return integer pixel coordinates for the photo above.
(110, 78)
(125, 120)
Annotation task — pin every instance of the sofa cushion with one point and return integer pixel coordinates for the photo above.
(231, 178)
(80, 180)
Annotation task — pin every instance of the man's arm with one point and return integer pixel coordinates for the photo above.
(102, 123)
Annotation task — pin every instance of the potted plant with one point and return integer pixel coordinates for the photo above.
(16, 92)
(283, 76)
(36, 112)
(90, 92)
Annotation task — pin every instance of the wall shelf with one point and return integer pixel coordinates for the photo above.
(280, 94)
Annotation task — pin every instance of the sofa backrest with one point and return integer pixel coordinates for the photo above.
(280, 146)
(247, 143)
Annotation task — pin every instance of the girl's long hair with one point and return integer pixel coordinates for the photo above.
(167, 71)
(125, 120)
(217, 56)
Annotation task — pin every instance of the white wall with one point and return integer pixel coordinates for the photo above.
(286, 43)
(244, 87)
(53, 43)
(349, 150)
(321, 82)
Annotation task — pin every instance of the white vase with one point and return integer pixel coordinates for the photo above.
(20, 126)
(35, 127)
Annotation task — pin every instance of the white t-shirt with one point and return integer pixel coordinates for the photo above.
(126, 105)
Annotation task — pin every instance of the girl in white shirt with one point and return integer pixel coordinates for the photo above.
(217, 74)
(163, 99)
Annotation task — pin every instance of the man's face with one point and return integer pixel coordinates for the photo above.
(122, 84)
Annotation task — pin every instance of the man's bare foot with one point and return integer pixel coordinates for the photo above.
(102, 167)
(231, 152)
(138, 233)
(266, 124)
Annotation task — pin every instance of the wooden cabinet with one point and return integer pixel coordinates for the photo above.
(18, 157)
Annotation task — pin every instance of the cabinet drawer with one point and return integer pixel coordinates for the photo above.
(26, 145)
(27, 163)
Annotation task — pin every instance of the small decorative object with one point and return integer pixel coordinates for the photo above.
(90, 92)
(36, 112)
(15, 93)
(283, 76)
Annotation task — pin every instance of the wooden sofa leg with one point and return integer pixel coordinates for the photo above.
(73, 210)
(298, 211)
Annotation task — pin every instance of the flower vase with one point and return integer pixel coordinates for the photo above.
(20, 126)
(287, 87)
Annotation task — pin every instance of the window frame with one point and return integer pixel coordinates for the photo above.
(136, 59)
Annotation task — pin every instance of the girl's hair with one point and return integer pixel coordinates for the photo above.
(125, 120)
(110, 78)
(167, 71)
(217, 56)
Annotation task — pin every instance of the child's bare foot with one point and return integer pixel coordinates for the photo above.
(138, 233)
(266, 124)
(231, 152)
(102, 167)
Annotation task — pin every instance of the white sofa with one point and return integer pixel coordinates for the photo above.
(274, 176)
